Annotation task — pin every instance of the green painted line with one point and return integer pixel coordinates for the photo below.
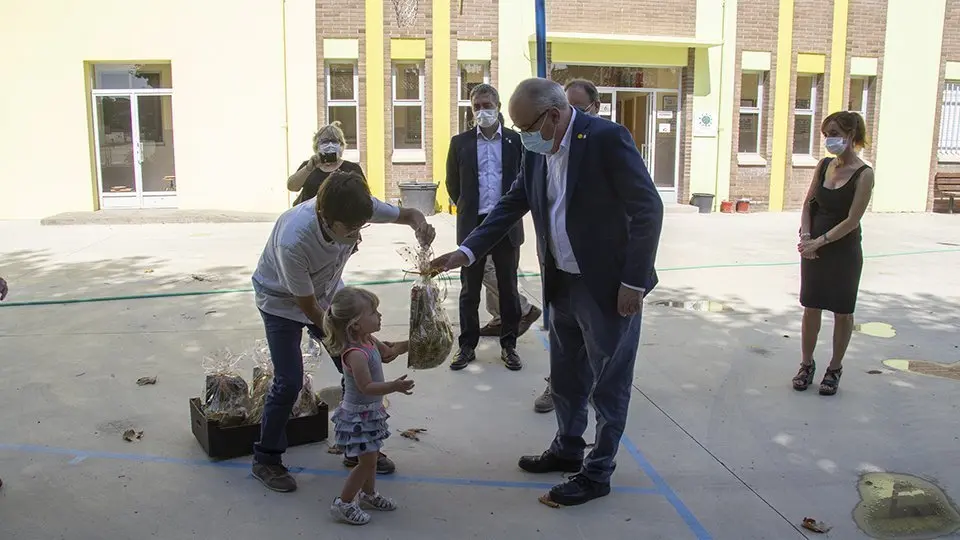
(447, 277)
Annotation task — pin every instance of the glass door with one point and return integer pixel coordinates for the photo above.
(158, 179)
(116, 159)
(664, 131)
(133, 135)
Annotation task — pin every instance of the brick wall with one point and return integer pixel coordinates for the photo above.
(346, 23)
(480, 21)
(866, 31)
(950, 52)
(641, 17)
(420, 29)
(756, 31)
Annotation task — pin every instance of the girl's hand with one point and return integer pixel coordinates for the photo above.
(386, 350)
(403, 385)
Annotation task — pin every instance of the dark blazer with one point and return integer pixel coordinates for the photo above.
(614, 213)
(463, 178)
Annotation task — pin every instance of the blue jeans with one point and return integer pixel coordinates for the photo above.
(283, 339)
(592, 355)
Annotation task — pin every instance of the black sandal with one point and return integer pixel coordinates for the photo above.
(830, 382)
(804, 377)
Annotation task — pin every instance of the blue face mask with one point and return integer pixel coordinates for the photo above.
(535, 142)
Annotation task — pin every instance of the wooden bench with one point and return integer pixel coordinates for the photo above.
(946, 185)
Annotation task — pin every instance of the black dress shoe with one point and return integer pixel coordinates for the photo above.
(462, 358)
(547, 463)
(578, 489)
(511, 359)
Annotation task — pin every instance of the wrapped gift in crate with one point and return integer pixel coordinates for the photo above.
(221, 442)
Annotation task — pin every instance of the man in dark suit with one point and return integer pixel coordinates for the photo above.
(598, 218)
(481, 166)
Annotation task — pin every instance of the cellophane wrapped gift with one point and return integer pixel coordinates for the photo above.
(226, 397)
(262, 381)
(306, 404)
(431, 334)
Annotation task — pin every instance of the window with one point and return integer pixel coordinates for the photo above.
(408, 125)
(859, 96)
(751, 115)
(342, 89)
(948, 147)
(469, 75)
(804, 112)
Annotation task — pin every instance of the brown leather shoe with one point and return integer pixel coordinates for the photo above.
(527, 321)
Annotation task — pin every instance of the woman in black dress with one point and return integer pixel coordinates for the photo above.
(832, 258)
(328, 146)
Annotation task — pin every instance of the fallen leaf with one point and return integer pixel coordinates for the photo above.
(131, 435)
(148, 271)
(413, 433)
(143, 381)
(875, 372)
(211, 312)
(815, 526)
(545, 499)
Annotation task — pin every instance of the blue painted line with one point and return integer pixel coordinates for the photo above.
(81, 455)
(663, 488)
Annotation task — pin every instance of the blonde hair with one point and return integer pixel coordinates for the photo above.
(329, 133)
(346, 308)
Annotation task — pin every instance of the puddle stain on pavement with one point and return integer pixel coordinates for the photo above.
(876, 329)
(903, 507)
(923, 367)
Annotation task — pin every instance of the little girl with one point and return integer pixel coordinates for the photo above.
(360, 420)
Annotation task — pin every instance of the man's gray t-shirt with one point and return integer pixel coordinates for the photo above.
(299, 261)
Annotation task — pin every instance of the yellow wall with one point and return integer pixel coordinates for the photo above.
(781, 106)
(908, 104)
(441, 97)
(301, 81)
(228, 106)
(516, 63)
(376, 89)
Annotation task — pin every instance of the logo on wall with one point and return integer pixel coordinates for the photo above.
(704, 125)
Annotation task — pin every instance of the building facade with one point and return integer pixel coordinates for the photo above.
(213, 104)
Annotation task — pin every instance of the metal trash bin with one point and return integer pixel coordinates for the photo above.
(421, 196)
(703, 201)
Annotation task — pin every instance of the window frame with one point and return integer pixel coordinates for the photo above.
(811, 112)
(755, 110)
(349, 154)
(486, 79)
(864, 94)
(949, 154)
(408, 155)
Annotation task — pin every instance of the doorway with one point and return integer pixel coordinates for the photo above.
(132, 113)
(653, 118)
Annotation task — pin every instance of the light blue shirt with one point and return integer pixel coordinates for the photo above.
(489, 169)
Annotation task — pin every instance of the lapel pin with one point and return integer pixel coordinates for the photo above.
(581, 136)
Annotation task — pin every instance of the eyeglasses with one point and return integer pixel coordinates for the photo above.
(535, 122)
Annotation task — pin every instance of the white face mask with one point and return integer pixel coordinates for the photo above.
(329, 152)
(486, 117)
(835, 145)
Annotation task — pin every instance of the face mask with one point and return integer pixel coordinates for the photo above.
(486, 117)
(535, 142)
(589, 111)
(329, 152)
(835, 145)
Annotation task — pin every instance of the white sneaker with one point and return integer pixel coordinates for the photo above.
(377, 502)
(348, 512)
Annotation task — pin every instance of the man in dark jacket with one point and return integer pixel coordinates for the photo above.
(481, 166)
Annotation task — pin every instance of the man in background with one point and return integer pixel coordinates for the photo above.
(482, 164)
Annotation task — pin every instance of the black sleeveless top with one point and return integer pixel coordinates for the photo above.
(828, 207)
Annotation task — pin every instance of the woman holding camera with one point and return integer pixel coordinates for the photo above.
(328, 145)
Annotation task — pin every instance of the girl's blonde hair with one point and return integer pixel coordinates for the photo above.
(329, 133)
(346, 308)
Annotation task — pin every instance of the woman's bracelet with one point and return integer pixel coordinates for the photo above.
(805, 236)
